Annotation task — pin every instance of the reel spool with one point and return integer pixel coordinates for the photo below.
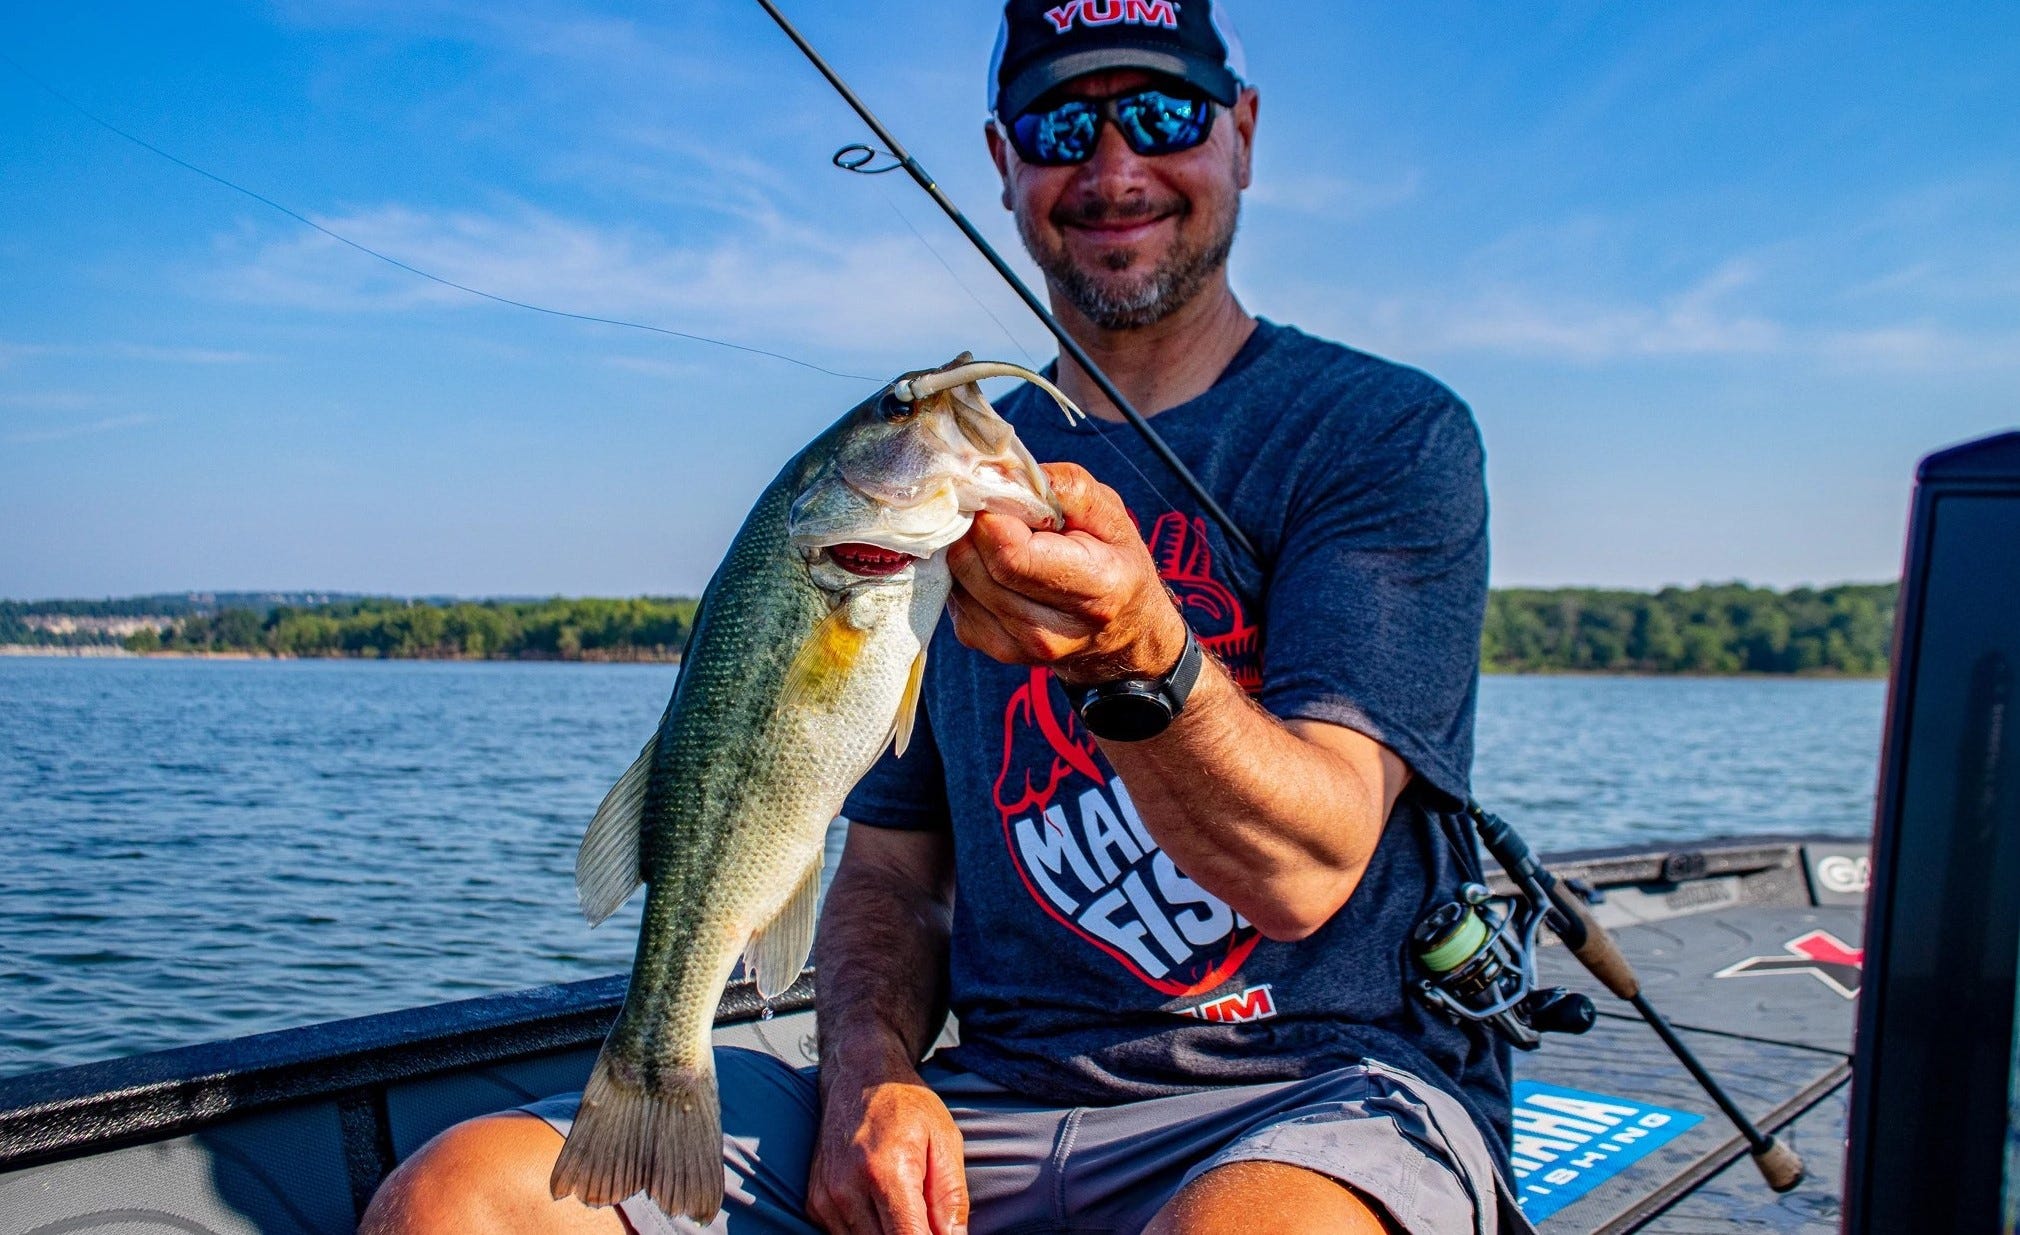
(1478, 965)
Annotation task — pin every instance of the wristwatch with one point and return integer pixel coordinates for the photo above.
(1132, 709)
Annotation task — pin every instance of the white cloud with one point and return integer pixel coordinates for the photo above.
(1706, 319)
(1337, 198)
(785, 288)
(12, 352)
(47, 400)
(110, 424)
(1918, 348)
(179, 355)
(608, 46)
(1520, 322)
(665, 369)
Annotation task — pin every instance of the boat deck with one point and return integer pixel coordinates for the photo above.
(1754, 961)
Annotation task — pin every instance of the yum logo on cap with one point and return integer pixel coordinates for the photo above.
(1160, 13)
(1043, 44)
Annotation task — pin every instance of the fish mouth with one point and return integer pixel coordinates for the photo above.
(868, 561)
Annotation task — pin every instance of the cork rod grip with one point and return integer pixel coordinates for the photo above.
(1598, 952)
(1779, 1165)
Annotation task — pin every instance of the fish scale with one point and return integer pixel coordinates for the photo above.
(794, 680)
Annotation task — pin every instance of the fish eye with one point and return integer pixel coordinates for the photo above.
(893, 409)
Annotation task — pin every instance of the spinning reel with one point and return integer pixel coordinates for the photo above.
(1480, 965)
(1476, 964)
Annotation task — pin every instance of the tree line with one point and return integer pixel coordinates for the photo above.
(1724, 628)
(1712, 629)
(643, 628)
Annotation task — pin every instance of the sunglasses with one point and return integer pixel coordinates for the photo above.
(1152, 122)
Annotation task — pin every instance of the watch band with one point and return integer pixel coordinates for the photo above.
(1184, 675)
(1133, 709)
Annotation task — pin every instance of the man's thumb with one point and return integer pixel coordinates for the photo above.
(1089, 505)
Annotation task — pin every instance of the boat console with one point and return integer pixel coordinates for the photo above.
(1937, 1084)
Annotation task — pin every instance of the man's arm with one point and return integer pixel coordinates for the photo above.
(889, 1156)
(1278, 820)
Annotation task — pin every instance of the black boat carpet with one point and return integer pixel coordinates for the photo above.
(1612, 1131)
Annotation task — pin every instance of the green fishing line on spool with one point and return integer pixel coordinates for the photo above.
(1449, 938)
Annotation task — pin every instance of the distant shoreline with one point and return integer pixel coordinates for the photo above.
(1713, 630)
(117, 653)
(108, 652)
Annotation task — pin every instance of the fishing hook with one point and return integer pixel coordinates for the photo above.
(857, 159)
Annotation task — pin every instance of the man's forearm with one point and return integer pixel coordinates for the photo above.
(1278, 822)
(881, 953)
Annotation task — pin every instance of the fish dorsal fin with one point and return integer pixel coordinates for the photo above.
(820, 670)
(779, 949)
(608, 867)
(908, 705)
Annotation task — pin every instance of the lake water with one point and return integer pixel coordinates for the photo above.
(201, 849)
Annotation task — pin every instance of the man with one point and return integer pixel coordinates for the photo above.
(1183, 1004)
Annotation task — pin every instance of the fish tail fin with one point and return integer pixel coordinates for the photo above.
(626, 1141)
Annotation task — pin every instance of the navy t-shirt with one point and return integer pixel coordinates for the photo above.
(1086, 967)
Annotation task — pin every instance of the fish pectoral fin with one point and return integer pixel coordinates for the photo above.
(608, 867)
(820, 669)
(908, 705)
(779, 949)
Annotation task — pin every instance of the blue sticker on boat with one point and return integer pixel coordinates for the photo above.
(1568, 1141)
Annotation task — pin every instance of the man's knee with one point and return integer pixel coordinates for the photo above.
(1268, 1196)
(487, 1174)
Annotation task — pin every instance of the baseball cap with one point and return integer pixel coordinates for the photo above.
(1043, 43)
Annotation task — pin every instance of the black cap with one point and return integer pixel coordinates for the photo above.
(1044, 43)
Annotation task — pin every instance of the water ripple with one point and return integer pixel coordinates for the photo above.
(203, 849)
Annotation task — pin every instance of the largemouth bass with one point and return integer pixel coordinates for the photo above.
(803, 665)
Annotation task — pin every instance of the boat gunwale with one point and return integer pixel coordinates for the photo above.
(90, 1108)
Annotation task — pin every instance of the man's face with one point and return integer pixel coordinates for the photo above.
(1129, 239)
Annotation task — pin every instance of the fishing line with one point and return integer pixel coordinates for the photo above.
(1068, 345)
(1031, 361)
(395, 262)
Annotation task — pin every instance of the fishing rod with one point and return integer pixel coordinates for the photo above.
(1568, 918)
(1067, 343)
(1479, 968)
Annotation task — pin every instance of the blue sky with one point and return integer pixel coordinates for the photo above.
(1713, 276)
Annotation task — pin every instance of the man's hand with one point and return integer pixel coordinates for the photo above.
(888, 1161)
(1085, 601)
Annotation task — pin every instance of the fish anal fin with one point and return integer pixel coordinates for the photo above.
(819, 673)
(609, 866)
(779, 949)
(908, 705)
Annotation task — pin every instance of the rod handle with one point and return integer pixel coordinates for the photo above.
(1779, 1165)
(1597, 951)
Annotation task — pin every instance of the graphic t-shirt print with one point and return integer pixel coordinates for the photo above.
(1073, 834)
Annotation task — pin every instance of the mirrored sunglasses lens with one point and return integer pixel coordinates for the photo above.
(1065, 134)
(1154, 122)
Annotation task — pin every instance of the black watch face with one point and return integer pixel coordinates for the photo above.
(1126, 717)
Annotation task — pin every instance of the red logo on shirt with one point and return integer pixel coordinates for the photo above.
(1184, 558)
(1254, 1004)
(1073, 833)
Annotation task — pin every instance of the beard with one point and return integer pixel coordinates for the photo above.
(1118, 292)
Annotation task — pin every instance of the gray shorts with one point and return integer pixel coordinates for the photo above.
(1398, 1141)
